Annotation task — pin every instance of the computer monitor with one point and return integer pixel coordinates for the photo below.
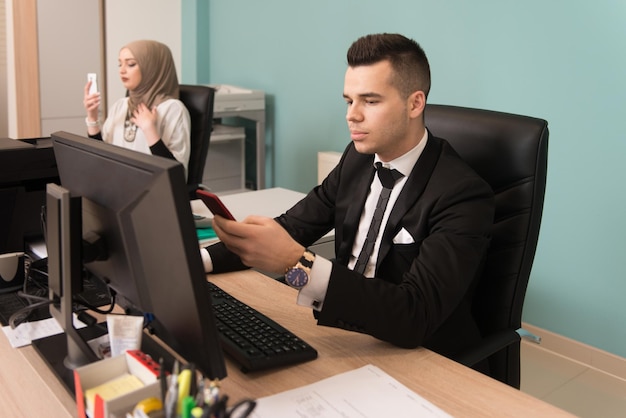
(26, 166)
(138, 206)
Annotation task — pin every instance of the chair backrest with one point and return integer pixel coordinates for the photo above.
(199, 102)
(510, 152)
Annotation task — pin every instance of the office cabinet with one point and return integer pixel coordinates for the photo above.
(224, 171)
(234, 102)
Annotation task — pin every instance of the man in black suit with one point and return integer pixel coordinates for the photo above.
(414, 287)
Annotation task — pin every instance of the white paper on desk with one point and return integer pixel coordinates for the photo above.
(361, 393)
(24, 333)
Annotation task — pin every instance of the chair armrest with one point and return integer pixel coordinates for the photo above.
(494, 343)
(490, 345)
(191, 189)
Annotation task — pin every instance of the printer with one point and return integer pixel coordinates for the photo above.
(237, 99)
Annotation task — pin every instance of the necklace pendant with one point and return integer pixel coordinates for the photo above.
(130, 130)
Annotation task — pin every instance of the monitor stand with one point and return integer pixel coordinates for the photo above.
(53, 350)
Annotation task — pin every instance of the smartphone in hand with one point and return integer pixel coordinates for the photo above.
(94, 82)
(215, 205)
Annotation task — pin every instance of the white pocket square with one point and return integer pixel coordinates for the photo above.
(403, 237)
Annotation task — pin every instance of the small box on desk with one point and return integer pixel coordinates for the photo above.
(113, 386)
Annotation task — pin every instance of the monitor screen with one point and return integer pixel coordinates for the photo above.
(26, 166)
(138, 205)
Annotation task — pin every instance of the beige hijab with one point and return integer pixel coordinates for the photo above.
(158, 74)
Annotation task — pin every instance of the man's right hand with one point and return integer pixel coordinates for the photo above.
(260, 242)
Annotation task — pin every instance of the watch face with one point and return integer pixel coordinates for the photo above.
(297, 277)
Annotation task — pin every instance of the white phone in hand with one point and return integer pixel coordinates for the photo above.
(94, 82)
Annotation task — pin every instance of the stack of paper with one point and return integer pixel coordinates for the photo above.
(361, 393)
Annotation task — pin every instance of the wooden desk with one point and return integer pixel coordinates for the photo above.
(29, 389)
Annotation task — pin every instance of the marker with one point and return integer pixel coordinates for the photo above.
(188, 405)
(184, 385)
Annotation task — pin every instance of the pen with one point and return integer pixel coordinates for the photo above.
(171, 398)
(200, 392)
(193, 388)
(163, 380)
(211, 392)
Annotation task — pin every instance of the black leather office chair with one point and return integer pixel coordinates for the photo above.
(510, 152)
(199, 101)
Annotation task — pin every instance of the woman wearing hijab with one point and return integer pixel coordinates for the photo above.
(150, 119)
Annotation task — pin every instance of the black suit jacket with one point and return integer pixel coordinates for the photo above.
(422, 291)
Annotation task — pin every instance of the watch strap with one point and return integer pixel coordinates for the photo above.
(307, 259)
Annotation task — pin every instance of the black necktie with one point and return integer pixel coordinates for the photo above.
(388, 179)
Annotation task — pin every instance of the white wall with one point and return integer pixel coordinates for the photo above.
(128, 21)
(69, 48)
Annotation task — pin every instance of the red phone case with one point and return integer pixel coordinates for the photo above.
(214, 204)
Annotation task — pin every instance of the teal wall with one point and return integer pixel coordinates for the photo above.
(559, 60)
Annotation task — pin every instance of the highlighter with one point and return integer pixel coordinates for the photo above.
(184, 385)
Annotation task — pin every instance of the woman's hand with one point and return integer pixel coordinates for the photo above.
(91, 103)
(146, 120)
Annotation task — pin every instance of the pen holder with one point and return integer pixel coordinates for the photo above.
(113, 386)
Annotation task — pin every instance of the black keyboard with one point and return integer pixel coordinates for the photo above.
(252, 339)
(95, 293)
(11, 302)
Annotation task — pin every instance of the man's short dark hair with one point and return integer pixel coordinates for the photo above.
(408, 60)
